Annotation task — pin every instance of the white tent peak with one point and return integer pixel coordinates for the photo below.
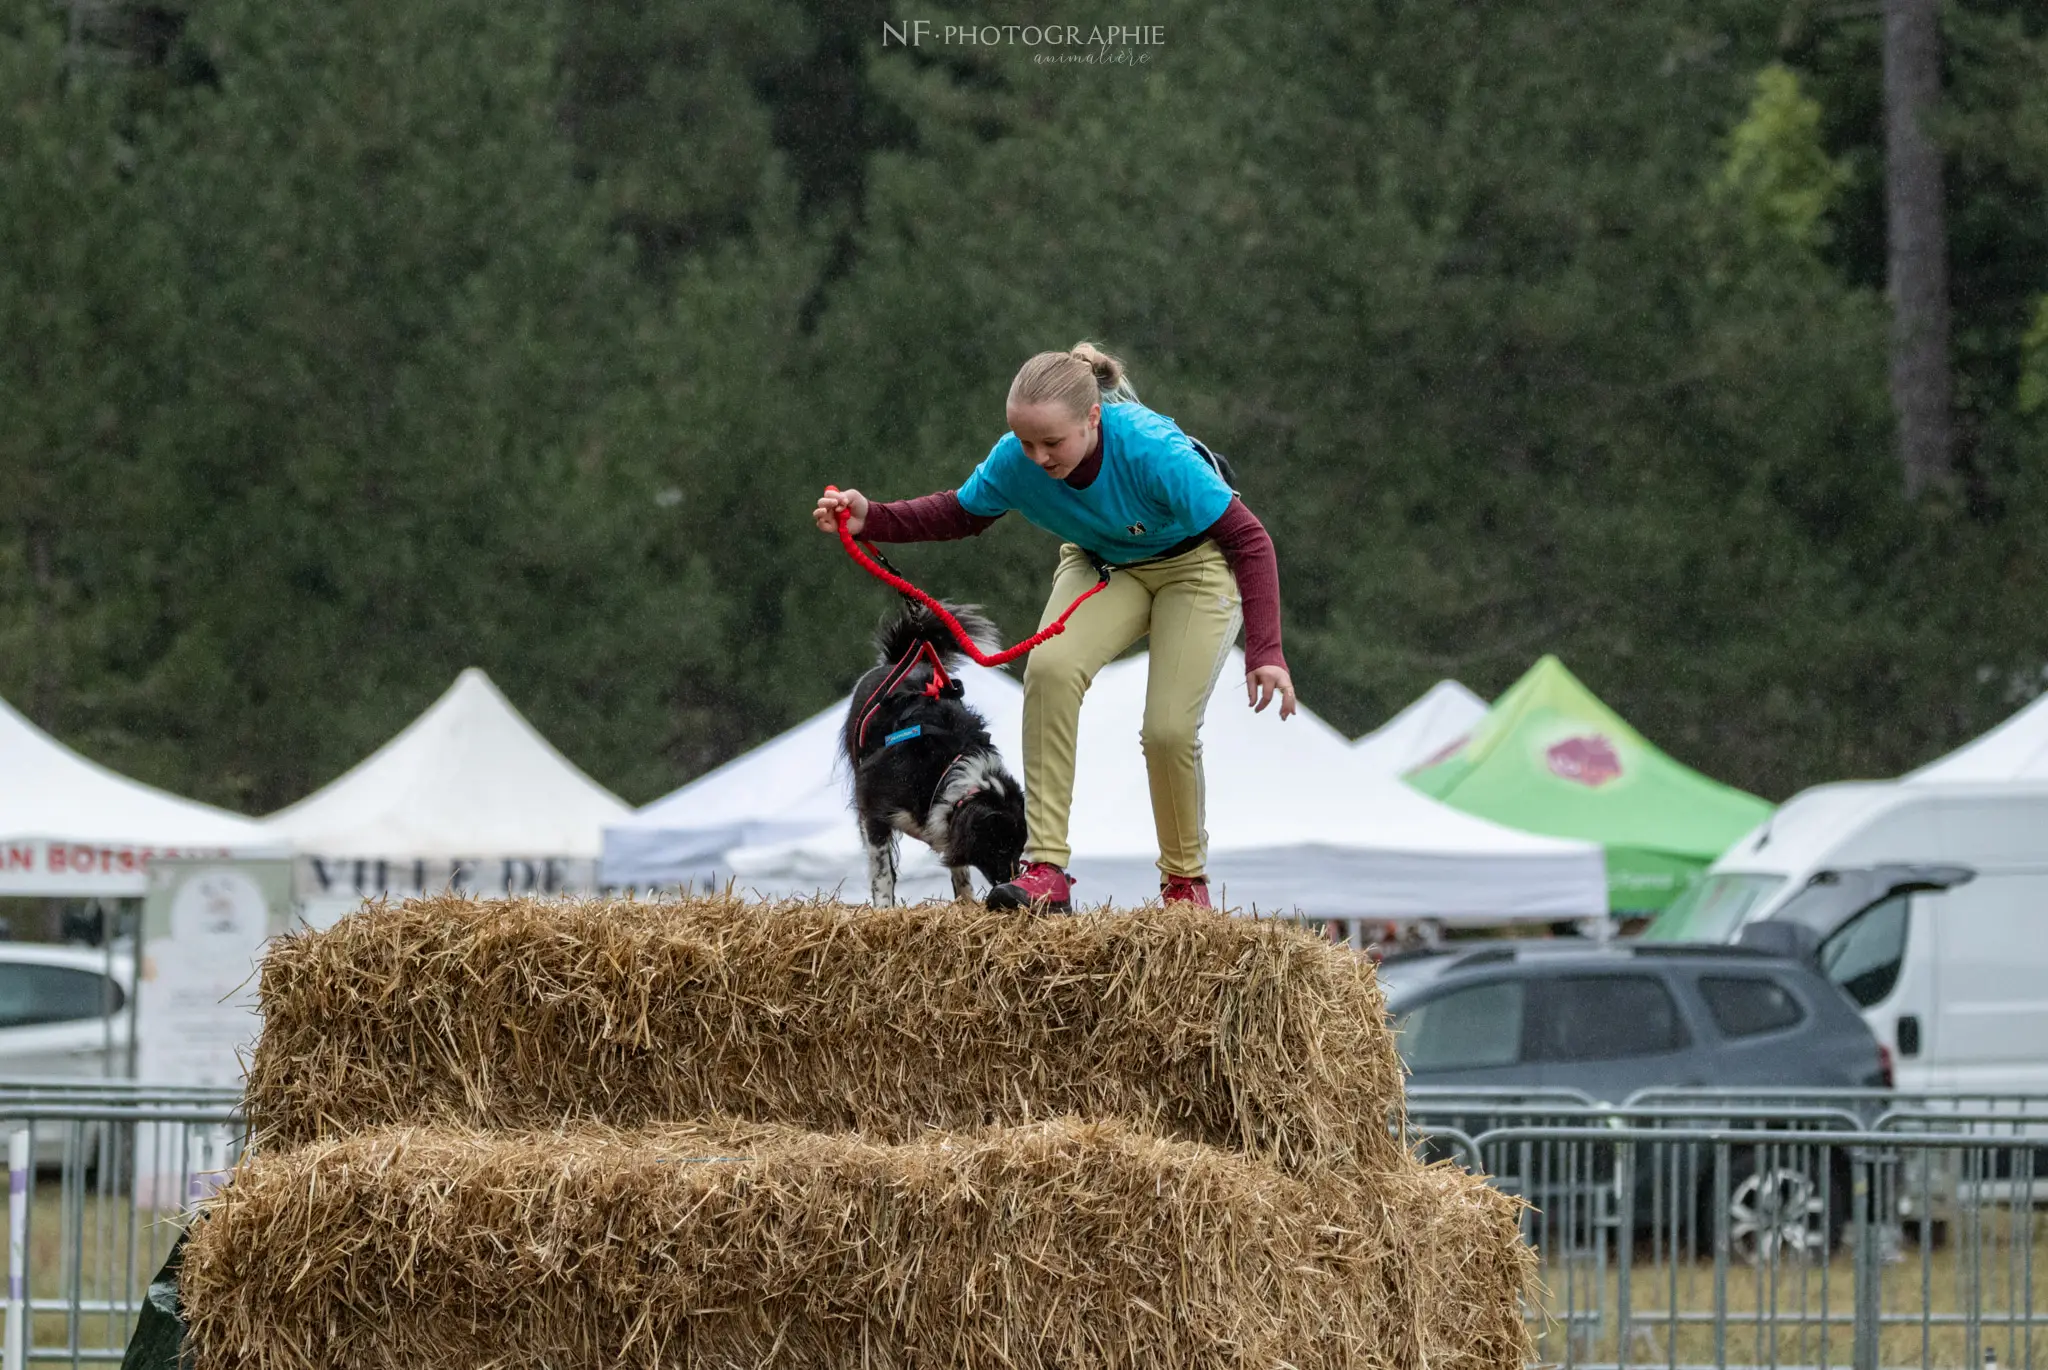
(470, 777)
(2016, 749)
(51, 792)
(1440, 719)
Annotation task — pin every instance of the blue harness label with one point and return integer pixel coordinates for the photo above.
(903, 734)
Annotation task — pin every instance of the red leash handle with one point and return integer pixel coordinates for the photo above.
(945, 616)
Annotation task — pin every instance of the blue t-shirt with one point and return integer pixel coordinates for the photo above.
(1153, 492)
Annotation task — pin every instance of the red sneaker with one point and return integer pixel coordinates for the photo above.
(1185, 889)
(1040, 885)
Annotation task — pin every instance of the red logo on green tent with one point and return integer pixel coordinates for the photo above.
(1588, 761)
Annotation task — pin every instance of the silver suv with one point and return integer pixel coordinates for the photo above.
(1612, 1019)
(1608, 1021)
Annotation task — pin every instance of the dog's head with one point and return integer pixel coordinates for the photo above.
(986, 827)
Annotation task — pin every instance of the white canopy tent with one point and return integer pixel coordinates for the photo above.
(1295, 823)
(789, 788)
(469, 796)
(2015, 752)
(1420, 733)
(69, 826)
(2016, 749)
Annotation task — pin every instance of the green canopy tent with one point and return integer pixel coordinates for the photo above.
(1549, 757)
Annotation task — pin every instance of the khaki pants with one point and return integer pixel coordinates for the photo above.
(1189, 606)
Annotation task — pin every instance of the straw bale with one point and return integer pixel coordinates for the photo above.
(833, 1017)
(1057, 1244)
(1475, 1270)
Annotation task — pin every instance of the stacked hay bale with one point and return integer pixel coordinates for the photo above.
(714, 1133)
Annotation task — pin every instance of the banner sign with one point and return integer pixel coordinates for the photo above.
(43, 866)
(205, 926)
(197, 1000)
(323, 878)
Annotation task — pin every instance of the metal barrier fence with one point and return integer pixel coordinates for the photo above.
(101, 1174)
(1769, 1228)
(1683, 1228)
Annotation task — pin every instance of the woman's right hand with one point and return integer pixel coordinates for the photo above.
(831, 502)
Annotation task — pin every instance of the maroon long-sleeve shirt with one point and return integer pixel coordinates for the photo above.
(1238, 534)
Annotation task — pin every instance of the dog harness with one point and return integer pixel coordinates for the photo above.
(938, 687)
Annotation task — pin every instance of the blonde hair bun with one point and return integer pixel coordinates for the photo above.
(1079, 377)
(1108, 370)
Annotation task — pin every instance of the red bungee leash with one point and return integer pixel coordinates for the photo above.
(905, 588)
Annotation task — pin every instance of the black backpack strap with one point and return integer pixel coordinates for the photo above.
(1216, 460)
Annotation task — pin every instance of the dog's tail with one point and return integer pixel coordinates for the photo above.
(913, 623)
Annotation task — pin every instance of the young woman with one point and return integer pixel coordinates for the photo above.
(1085, 461)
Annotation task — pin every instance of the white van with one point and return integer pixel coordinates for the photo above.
(1926, 902)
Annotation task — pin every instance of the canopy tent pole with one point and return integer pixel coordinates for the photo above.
(97, 908)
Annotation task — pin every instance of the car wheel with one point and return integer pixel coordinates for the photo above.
(1781, 1210)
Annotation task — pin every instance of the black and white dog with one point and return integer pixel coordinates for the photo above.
(923, 763)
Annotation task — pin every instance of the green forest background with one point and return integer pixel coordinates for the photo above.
(343, 346)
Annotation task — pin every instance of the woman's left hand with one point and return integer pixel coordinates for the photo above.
(1262, 684)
